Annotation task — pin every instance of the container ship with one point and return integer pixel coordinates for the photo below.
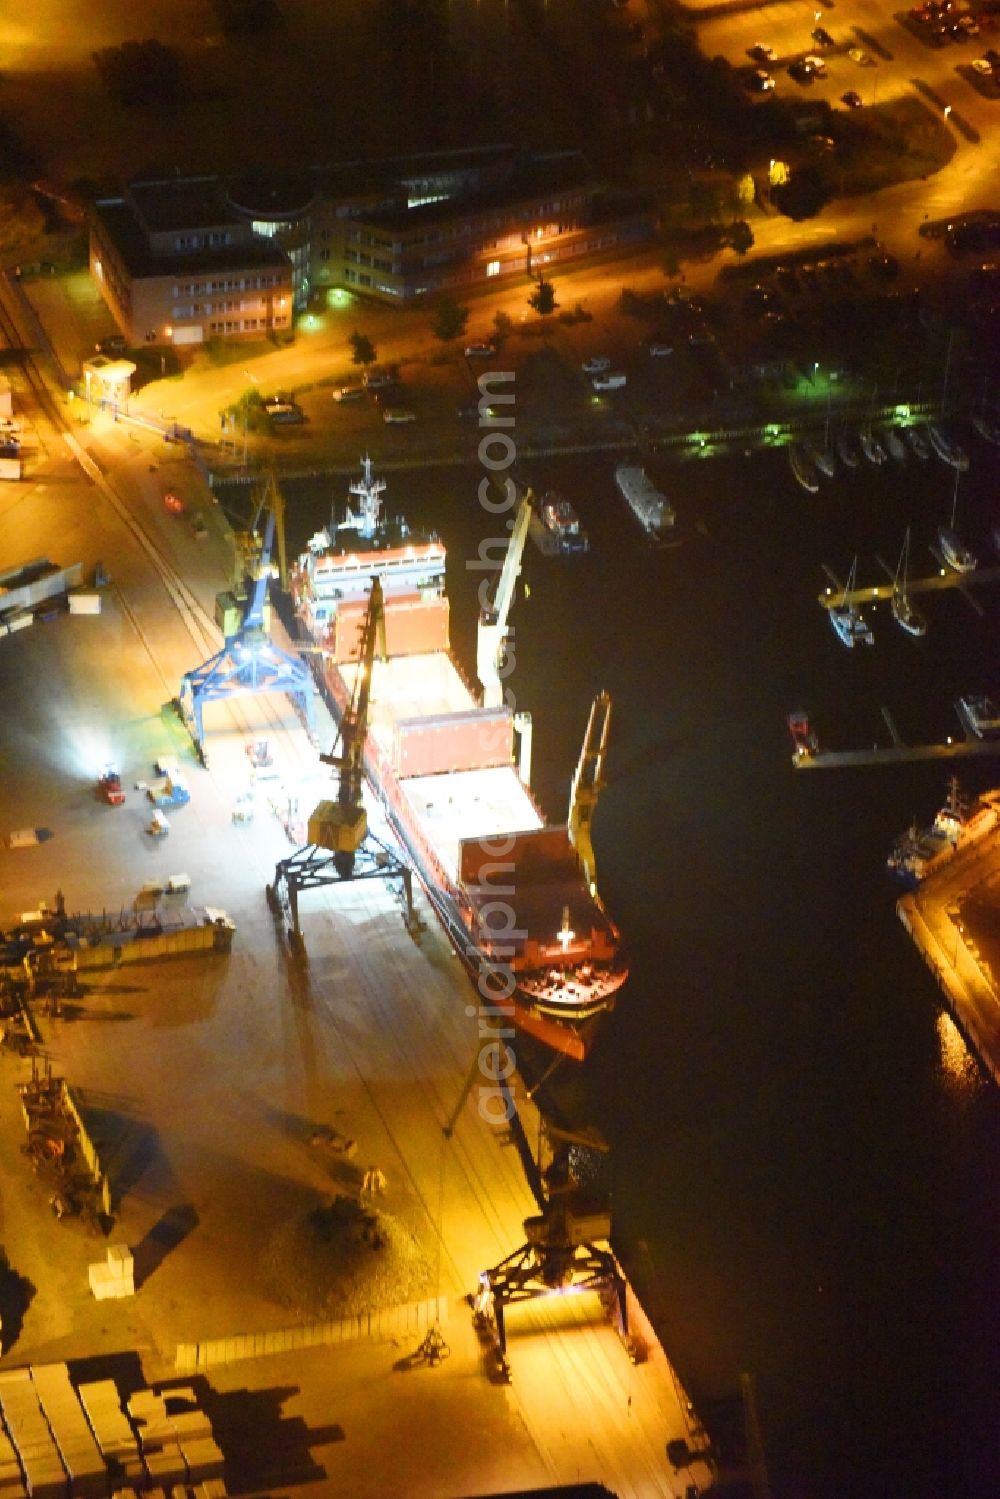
(516, 896)
(651, 509)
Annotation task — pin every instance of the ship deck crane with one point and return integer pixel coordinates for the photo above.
(588, 783)
(492, 639)
(491, 644)
(249, 662)
(341, 846)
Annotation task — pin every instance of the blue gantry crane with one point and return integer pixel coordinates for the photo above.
(249, 661)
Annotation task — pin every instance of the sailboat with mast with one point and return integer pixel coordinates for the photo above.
(953, 548)
(904, 611)
(824, 458)
(848, 622)
(870, 445)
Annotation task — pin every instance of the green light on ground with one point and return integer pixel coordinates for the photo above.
(338, 298)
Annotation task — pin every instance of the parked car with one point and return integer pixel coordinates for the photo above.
(762, 53)
(801, 71)
(852, 99)
(285, 413)
(479, 351)
(379, 379)
(113, 346)
(350, 393)
(983, 67)
(760, 81)
(659, 348)
(823, 37)
(611, 380)
(596, 365)
(173, 502)
(858, 54)
(815, 64)
(397, 415)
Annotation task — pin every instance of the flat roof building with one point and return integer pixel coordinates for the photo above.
(184, 260)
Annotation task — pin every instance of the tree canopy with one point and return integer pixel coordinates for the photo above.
(450, 319)
(543, 298)
(362, 349)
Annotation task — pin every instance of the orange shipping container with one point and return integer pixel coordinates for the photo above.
(413, 626)
(474, 740)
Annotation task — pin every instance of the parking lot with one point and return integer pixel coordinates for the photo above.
(877, 52)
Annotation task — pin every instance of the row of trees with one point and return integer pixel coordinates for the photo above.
(451, 320)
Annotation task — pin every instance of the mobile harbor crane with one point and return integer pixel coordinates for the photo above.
(341, 846)
(249, 662)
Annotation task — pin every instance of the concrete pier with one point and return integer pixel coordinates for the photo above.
(954, 919)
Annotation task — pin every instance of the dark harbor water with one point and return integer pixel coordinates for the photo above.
(805, 1159)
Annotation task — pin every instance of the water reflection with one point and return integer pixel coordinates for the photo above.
(957, 1064)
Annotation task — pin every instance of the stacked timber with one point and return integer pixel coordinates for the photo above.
(113, 1278)
(114, 1435)
(11, 1486)
(177, 1447)
(81, 1456)
(44, 1474)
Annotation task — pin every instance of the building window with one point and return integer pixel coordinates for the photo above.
(493, 268)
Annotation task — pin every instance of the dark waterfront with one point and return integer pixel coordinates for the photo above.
(806, 1162)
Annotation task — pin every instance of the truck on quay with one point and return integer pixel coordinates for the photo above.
(173, 792)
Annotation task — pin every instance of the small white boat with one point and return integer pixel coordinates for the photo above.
(848, 622)
(981, 715)
(907, 616)
(821, 458)
(895, 445)
(987, 426)
(871, 447)
(948, 451)
(846, 451)
(803, 469)
(953, 548)
(918, 443)
(955, 552)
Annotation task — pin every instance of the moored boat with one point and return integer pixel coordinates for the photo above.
(918, 852)
(848, 622)
(871, 447)
(555, 526)
(987, 426)
(980, 715)
(948, 451)
(651, 509)
(846, 450)
(917, 443)
(803, 469)
(904, 611)
(895, 445)
(823, 458)
(955, 552)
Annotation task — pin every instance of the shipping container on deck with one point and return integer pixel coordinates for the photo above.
(474, 740)
(414, 626)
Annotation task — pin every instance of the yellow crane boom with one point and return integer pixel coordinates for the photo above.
(588, 783)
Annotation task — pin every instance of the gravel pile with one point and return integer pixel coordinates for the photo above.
(343, 1259)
